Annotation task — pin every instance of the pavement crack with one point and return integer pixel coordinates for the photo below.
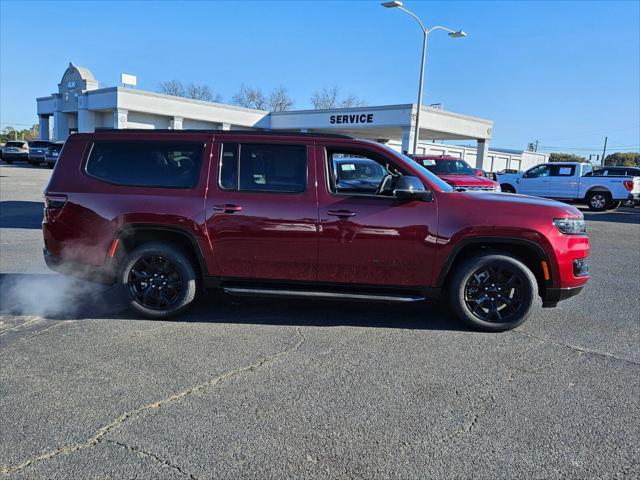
(98, 436)
(23, 324)
(575, 348)
(153, 456)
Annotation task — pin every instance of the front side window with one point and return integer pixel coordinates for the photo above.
(146, 163)
(354, 172)
(539, 171)
(263, 168)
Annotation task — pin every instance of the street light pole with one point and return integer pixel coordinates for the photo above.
(425, 32)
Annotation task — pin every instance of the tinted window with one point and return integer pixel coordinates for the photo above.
(40, 144)
(15, 144)
(146, 164)
(268, 168)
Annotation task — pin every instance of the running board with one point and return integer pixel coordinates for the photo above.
(320, 294)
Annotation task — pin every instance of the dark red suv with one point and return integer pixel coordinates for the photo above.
(170, 214)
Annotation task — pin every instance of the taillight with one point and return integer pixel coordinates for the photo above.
(53, 205)
(24, 149)
(628, 184)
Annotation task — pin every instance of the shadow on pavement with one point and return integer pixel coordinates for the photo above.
(59, 297)
(21, 214)
(621, 215)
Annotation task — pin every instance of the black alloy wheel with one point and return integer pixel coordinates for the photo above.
(158, 280)
(492, 291)
(155, 282)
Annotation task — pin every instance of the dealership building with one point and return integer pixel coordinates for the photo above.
(81, 104)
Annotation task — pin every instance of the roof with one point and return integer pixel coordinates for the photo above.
(270, 133)
(84, 72)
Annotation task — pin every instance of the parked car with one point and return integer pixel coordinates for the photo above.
(568, 181)
(37, 151)
(457, 173)
(168, 214)
(15, 150)
(612, 171)
(52, 154)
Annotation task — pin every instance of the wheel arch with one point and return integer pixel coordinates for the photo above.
(527, 251)
(507, 185)
(133, 235)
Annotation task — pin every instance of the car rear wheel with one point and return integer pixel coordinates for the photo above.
(493, 292)
(158, 280)
(598, 201)
(8, 162)
(506, 188)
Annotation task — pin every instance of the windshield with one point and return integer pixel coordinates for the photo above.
(441, 184)
(459, 167)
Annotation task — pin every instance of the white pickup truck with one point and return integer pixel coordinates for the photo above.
(566, 181)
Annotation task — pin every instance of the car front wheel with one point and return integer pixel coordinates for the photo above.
(493, 292)
(158, 280)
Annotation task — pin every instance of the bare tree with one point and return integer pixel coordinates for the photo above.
(250, 97)
(325, 98)
(201, 92)
(352, 101)
(192, 90)
(172, 87)
(280, 101)
(330, 98)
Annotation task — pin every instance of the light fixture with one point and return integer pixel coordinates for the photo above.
(391, 4)
(457, 34)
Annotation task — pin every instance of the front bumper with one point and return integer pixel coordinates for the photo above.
(104, 274)
(554, 295)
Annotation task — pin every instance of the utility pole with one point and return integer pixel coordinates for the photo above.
(604, 151)
(537, 142)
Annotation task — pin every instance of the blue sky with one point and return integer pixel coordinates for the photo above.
(565, 73)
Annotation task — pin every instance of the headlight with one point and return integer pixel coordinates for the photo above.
(570, 226)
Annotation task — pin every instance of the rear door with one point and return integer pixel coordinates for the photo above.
(367, 236)
(262, 213)
(563, 181)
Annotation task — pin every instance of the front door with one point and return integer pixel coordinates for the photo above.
(535, 181)
(367, 236)
(262, 215)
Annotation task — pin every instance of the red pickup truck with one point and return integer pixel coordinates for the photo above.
(167, 215)
(457, 173)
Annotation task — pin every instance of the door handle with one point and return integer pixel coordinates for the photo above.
(342, 213)
(228, 208)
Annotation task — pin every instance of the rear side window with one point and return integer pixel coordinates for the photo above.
(563, 170)
(146, 164)
(263, 168)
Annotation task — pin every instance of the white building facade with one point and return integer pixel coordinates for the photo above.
(80, 105)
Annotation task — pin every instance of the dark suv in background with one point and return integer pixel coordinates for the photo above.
(37, 151)
(169, 214)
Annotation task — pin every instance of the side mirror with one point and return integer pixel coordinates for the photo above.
(411, 188)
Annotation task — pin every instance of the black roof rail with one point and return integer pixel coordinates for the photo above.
(225, 132)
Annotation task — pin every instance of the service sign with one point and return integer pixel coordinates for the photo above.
(351, 118)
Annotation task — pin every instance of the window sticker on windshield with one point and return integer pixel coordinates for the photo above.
(565, 170)
(428, 162)
(347, 166)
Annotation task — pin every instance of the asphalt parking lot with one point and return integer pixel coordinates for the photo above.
(263, 390)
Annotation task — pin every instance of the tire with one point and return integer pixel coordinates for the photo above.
(156, 271)
(614, 204)
(492, 292)
(598, 201)
(9, 162)
(506, 188)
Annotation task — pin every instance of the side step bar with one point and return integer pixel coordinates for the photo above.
(320, 294)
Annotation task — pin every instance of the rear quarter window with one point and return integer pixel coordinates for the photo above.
(146, 163)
